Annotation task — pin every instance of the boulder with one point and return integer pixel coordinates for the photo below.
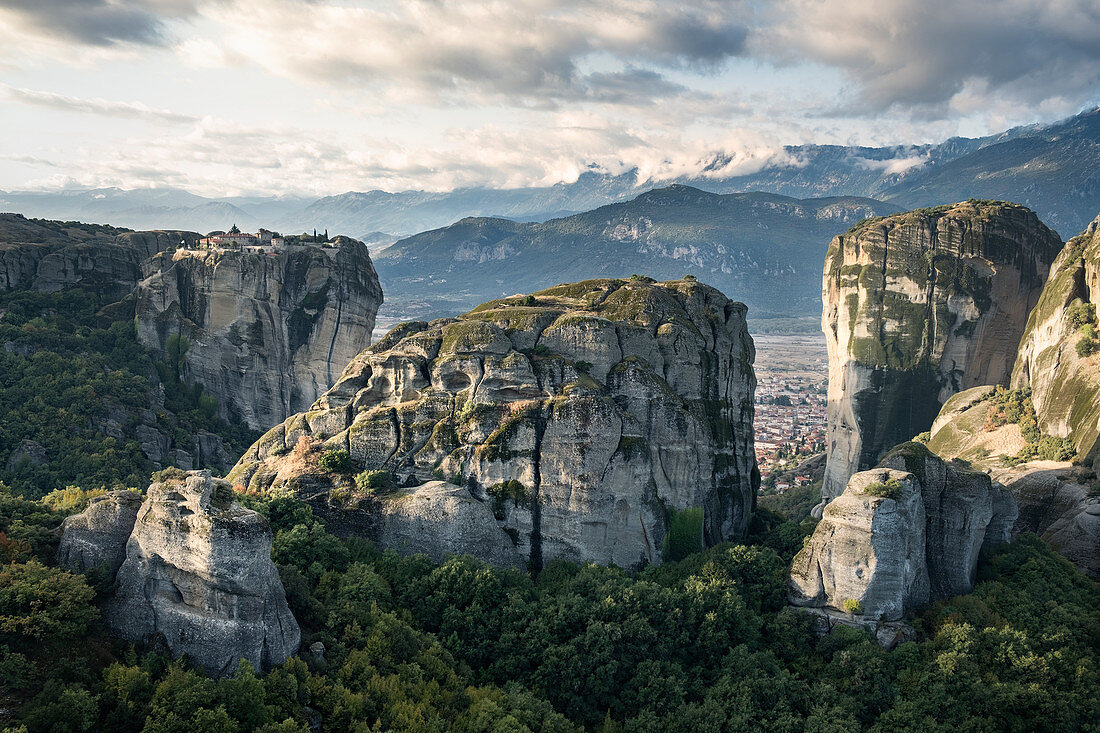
(97, 536)
(198, 572)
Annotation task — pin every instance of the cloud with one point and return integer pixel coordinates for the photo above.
(132, 110)
(100, 23)
(939, 58)
(530, 53)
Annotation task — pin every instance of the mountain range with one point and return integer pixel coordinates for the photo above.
(760, 248)
(1053, 169)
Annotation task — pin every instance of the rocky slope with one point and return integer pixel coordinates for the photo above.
(900, 535)
(193, 567)
(1057, 501)
(580, 415)
(267, 333)
(917, 307)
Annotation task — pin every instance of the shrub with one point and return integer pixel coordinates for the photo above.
(685, 534)
(583, 366)
(504, 491)
(222, 496)
(71, 499)
(370, 482)
(923, 437)
(852, 606)
(1086, 347)
(1081, 314)
(336, 461)
(170, 474)
(888, 489)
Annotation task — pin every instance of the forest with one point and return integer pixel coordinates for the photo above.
(704, 643)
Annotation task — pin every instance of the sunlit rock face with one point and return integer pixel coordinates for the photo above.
(917, 307)
(198, 571)
(267, 333)
(901, 534)
(580, 415)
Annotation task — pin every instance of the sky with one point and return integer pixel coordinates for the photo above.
(316, 97)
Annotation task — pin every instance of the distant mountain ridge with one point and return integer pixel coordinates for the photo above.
(1053, 169)
(759, 248)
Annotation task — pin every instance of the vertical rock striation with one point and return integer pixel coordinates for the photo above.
(917, 307)
(581, 415)
(268, 333)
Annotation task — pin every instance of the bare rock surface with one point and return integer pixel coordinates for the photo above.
(1058, 501)
(198, 571)
(580, 414)
(267, 333)
(97, 536)
(901, 534)
(438, 518)
(917, 307)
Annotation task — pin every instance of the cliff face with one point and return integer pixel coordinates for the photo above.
(900, 535)
(1055, 360)
(1057, 501)
(580, 416)
(267, 333)
(917, 307)
(49, 256)
(197, 570)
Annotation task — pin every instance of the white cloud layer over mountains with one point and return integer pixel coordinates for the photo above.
(320, 96)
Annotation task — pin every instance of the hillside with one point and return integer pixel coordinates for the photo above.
(763, 249)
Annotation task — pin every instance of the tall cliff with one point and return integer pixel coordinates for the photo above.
(267, 333)
(582, 416)
(917, 307)
(1059, 354)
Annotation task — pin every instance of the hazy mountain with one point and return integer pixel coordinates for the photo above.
(763, 249)
(1051, 168)
(1054, 170)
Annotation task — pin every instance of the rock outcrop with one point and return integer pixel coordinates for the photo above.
(197, 570)
(1057, 501)
(96, 538)
(1055, 360)
(267, 333)
(581, 415)
(49, 256)
(900, 535)
(917, 307)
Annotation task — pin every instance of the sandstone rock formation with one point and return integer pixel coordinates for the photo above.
(197, 570)
(581, 414)
(1057, 501)
(917, 307)
(900, 535)
(268, 333)
(97, 536)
